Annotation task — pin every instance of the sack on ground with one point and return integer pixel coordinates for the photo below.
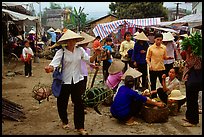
(57, 82)
(154, 114)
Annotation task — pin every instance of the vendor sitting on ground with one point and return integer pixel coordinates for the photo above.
(169, 84)
(128, 103)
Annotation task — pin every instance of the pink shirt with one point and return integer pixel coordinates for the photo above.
(113, 79)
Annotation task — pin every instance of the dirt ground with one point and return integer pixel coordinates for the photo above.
(42, 119)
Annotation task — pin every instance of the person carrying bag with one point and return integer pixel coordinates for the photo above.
(57, 78)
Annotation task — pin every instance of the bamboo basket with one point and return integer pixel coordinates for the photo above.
(154, 114)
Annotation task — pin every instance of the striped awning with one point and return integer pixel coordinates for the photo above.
(103, 30)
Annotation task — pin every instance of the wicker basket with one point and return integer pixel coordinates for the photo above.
(154, 114)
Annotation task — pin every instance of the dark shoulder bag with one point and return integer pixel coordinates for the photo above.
(57, 78)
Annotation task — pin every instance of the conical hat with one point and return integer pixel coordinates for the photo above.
(20, 37)
(176, 95)
(51, 29)
(136, 33)
(141, 36)
(167, 36)
(87, 38)
(58, 30)
(116, 66)
(133, 72)
(184, 35)
(69, 35)
(31, 32)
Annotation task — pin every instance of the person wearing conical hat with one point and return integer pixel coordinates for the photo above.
(115, 73)
(72, 78)
(168, 41)
(127, 102)
(84, 43)
(32, 37)
(139, 56)
(53, 36)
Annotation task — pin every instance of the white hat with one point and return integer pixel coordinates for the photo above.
(70, 35)
(51, 29)
(20, 37)
(167, 36)
(31, 32)
(141, 36)
(116, 66)
(133, 72)
(176, 95)
(58, 30)
(136, 33)
(184, 35)
(87, 38)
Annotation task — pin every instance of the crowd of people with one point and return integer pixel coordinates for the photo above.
(142, 55)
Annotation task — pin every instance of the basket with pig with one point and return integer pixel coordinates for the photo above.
(154, 114)
(41, 92)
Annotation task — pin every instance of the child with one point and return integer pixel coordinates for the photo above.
(27, 55)
(108, 60)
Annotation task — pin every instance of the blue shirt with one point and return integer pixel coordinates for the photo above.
(109, 48)
(140, 58)
(53, 36)
(121, 105)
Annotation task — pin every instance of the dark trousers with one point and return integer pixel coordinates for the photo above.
(28, 68)
(192, 91)
(143, 69)
(106, 65)
(153, 78)
(75, 90)
(167, 68)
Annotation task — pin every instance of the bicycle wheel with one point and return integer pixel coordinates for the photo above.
(12, 62)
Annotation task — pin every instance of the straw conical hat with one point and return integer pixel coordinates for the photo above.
(51, 29)
(141, 36)
(58, 30)
(167, 36)
(69, 35)
(20, 37)
(133, 72)
(87, 38)
(31, 32)
(184, 35)
(116, 66)
(176, 95)
(136, 33)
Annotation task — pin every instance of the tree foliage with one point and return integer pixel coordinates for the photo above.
(78, 19)
(55, 6)
(132, 10)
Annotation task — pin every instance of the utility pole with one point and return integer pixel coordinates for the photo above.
(177, 9)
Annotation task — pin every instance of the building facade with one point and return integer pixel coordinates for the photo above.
(196, 7)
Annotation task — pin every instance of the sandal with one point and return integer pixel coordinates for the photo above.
(187, 124)
(132, 123)
(82, 132)
(184, 119)
(66, 127)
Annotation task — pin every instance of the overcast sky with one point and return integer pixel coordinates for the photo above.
(98, 9)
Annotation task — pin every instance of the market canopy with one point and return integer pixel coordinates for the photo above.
(20, 17)
(103, 30)
(193, 20)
